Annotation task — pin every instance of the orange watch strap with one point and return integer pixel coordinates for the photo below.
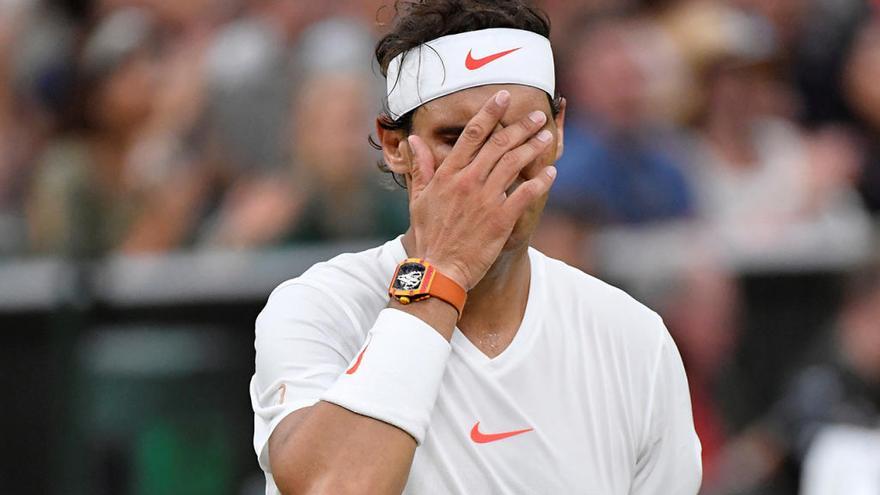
(446, 289)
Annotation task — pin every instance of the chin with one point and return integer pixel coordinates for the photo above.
(521, 235)
(513, 243)
(522, 232)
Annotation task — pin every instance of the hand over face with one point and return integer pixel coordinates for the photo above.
(464, 209)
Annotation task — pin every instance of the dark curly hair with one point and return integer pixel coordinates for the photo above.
(419, 21)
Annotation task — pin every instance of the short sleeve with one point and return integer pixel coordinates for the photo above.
(670, 460)
(302, 341)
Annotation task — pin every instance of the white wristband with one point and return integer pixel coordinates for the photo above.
(396, 376)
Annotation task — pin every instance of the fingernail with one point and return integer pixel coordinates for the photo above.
(545, 136)
(538, 117)
(551, 172)
(412, 148)
(502, 97)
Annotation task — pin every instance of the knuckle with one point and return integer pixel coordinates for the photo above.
(488, 202)
(509, 161)
(529, 189)
(466, 181)
(474, 131)
(499, 223)
(494, 110)
(500, 139)
(537, 146)
(527, 125)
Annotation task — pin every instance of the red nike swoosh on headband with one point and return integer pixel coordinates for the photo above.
(478, 437)
(357, 362)
(475, 63)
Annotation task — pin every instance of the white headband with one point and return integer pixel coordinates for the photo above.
(461, 61)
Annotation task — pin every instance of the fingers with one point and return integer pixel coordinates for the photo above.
(477, 131)
(512, 162)
(527, 192)
(504, 140)
(423, 163)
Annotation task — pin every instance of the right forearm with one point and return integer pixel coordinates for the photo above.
(366, 428)
(333, 450)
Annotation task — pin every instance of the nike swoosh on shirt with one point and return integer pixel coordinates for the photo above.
(357, 362)
(475, 63)
(479, 437)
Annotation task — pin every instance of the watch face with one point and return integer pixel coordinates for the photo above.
(409, 276)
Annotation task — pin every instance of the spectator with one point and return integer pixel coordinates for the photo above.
(330, 174)
(337, 101)
(841, 386)
(81, 203)
(618, 168)
(34, 71)
(862, 91)
(762, 183)
(101, 185)
(614, 170)
(827, 32)
(12, 232)
(249, 79)
(702, 313)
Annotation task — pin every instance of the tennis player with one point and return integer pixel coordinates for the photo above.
(455, 359)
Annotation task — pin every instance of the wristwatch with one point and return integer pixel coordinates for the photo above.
(416, 280)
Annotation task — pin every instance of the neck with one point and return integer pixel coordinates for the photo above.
(495, 307)
(497, 304)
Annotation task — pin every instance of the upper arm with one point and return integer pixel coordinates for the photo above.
(285, 429)
(670, 461)
(302, 346)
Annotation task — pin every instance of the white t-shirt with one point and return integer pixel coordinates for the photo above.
(592, 375)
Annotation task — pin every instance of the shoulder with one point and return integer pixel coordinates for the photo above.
(601, 308)
(585, 291)
(351, 273)
(348, 290)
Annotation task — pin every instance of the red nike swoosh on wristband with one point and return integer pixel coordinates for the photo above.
(479, 437)
(357, 362)
(475, 63)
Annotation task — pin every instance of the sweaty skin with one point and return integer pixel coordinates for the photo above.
(478, 171)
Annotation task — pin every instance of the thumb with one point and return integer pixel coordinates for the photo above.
(423, 163)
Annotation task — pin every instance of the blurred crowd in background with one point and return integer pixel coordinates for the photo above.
(747, 130)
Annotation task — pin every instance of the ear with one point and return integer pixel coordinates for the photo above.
(395, 150)
(560, 129)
